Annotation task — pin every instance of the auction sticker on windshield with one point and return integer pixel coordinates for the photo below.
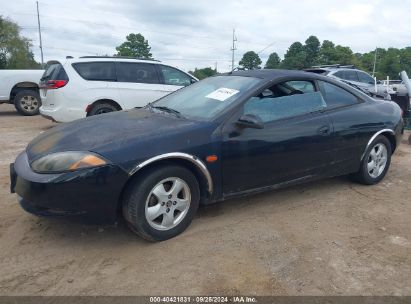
(222, 94)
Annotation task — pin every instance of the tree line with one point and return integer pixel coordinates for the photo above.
(389, 62)
(15, 53)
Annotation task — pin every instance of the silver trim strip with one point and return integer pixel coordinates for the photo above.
(193, 159)
(374, 137)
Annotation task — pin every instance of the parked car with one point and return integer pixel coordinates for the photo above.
(88, 86)
(223, 137)
(352, 75)
(20, 87)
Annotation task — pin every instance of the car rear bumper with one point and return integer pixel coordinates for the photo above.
(91, 193)
(61, 114)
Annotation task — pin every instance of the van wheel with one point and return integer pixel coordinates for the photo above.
(102, 108)
(27, 102)
(162, 202)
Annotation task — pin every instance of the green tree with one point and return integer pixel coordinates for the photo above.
(15, 50)
(327, 53)
(312, 50)
(295, 58)
(203, 73)
(135, 46)
(273, 61)
(250, 61)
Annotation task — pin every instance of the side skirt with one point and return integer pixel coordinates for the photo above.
(289, 183)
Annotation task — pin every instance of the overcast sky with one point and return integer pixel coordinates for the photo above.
(192, 34)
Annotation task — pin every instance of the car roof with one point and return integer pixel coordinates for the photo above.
(99, 59)
(271, 74)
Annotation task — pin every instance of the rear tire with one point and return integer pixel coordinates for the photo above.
(161, 203)
(102, 108)
(27, 102)
(376, 162)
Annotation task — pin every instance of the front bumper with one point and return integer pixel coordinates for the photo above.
(91, 193)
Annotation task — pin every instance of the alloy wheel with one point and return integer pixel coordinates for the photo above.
(377, 160)
(168, 203)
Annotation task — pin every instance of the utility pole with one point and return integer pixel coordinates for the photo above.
(375, 62)
(233, 50)
(41, 44)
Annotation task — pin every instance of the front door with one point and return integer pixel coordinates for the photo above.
(294, 143)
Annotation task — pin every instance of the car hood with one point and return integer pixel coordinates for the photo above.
(120, 136)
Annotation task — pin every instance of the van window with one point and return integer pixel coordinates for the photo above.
(173, 76)
(136, 72)
(102, 71)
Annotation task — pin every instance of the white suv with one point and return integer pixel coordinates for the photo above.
(94, 85)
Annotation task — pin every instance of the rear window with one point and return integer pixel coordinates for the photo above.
(54, 71)
(99, 71)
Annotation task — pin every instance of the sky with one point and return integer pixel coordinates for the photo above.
(189, 34)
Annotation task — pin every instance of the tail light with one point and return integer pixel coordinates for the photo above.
(55, 84)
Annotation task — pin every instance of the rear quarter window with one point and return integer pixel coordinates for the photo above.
(335, 96)
(97, 71)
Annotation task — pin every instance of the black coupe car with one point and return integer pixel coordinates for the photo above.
(225, 136)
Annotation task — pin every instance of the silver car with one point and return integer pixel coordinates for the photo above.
(348, 73)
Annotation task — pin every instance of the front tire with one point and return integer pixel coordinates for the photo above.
(376, 162)
(162, 202)
(27, 102)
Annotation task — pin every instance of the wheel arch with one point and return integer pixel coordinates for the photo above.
(389, 134)
(103, 100)
(25, 85)
(190, 162)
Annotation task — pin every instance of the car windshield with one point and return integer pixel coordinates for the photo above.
(205, 99)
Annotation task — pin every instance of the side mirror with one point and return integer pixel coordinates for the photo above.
(378, 82)
(192, 80)
(250, 121)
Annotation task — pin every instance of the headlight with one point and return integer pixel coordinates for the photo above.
(67, 161)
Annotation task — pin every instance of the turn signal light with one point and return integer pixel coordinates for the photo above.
(211, 158)
(87, 161)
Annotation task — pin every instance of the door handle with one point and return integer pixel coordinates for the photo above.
(324, 130)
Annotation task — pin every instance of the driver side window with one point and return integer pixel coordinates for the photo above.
(287, 99)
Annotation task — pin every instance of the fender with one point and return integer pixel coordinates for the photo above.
(193, 159)
(374, 137)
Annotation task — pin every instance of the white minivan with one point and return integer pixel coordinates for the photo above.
(89, 85)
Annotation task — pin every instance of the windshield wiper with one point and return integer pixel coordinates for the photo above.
(166, 109)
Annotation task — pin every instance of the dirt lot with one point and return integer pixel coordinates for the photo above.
(331, 237)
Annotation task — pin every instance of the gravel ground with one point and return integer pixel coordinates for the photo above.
(331, 237)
